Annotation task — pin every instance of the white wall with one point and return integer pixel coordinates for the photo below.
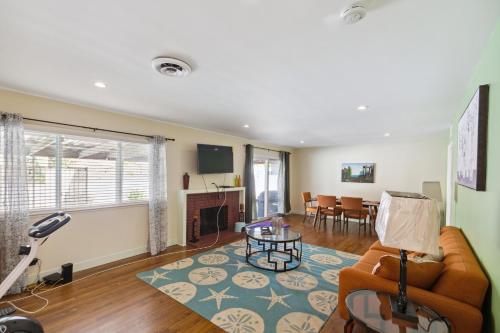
(400, 166)
(97, 236)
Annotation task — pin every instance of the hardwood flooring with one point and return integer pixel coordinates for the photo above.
(117, 301)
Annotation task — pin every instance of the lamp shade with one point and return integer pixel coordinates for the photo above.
(408, 221)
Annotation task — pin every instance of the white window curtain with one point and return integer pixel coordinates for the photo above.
(157, 195)
(13, 195)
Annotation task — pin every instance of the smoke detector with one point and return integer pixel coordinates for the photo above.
(171, 67)
(354, 13)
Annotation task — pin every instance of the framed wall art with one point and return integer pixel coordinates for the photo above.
(472, 139)
(358, 172)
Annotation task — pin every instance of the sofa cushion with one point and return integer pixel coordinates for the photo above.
(420, 273)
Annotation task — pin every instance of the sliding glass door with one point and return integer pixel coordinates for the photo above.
(266, 169)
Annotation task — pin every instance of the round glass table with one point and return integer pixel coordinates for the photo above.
(279, 251)
(370, 311)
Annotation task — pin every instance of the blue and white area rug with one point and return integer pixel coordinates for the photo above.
(239, 298)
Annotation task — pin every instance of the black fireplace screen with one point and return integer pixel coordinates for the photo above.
(208, 220)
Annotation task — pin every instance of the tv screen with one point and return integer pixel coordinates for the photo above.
(215, 159)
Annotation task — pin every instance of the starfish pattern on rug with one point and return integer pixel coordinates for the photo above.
(275, 299)
(218, 296)
(245, 299)
(157, 276)
(239, 265)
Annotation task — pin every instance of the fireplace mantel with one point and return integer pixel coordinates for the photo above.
(183, 199)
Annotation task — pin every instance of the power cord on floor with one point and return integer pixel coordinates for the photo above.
(37, 295)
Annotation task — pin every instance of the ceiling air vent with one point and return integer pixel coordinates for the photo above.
(171, 67)
(354, 13)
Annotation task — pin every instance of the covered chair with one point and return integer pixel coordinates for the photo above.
(353, 209)
(328, 207)
(309, 209)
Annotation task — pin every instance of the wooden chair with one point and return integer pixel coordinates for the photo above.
(353, 209)
(328, 207)
(372, 213)
(309, 209)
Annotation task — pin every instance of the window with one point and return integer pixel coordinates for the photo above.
(66, 171)
(266, 168)
(41, 156)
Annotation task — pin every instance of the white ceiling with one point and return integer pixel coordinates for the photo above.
(289, 68)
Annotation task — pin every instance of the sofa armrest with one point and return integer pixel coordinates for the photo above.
(463, 317)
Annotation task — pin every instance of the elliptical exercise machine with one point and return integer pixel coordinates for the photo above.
(38, 233)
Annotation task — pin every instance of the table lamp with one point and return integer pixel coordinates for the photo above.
(409, 222)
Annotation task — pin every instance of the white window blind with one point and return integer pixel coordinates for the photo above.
(135, 172)
(41, 160)
(66, 171)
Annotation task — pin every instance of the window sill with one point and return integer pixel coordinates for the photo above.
(40, 212)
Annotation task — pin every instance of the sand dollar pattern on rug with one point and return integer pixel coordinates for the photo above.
(207, 275)
(237, 297)
(213, 259)
(297, 280)
(326, 259)
(239, 320)
(323, 301)
(241, 251)
(331, 276)
(182, 292)
(299, 322)
(250, 280)
(263, 262)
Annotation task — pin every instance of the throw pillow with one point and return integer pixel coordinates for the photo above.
(421, 273)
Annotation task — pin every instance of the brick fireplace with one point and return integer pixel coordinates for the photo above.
(198, 201)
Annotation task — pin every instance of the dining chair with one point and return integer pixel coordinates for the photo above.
(328, 207)
(353, 209)
(372, 213)
(309, 209)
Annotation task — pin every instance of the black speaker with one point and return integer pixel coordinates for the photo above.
(67, 272)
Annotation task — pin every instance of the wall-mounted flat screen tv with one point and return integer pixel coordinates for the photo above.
(215, 159)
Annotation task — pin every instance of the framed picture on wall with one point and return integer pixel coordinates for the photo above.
(358, 172)
(472, 137)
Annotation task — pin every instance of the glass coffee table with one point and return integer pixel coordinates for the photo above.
(279, 252)
(370, 311)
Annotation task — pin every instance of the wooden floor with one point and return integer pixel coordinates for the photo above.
(117, 301)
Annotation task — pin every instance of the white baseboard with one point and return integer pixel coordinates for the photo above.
(90, 263)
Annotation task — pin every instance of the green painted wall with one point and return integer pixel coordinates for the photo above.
(478, 213)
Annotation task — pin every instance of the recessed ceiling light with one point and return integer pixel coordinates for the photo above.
(100, 84)
(246, 126)
(363, 107)
(387, 134)
(302, 141)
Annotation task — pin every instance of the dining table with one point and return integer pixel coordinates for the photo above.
(372, 206)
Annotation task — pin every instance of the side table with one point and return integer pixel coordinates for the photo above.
(370, 311)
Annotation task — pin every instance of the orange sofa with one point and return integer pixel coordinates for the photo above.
(457, 294)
